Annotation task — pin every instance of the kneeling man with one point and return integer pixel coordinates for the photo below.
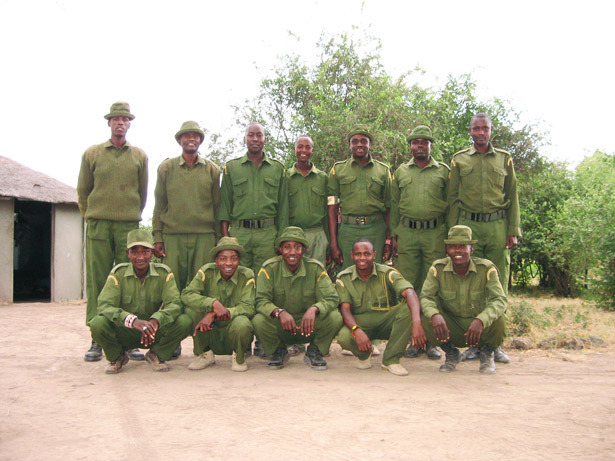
(296, 303)
(463, 300)
(221, 292)
(370, 296)
(139, 306)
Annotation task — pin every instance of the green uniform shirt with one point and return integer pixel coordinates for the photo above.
(484, 184)
(307, 198)
(478, 294)
(360, 191)
(187, 198)
(254, 193)
(112, 182)
(277, 287)
(419, 193)
(236, 294)
(156, 298)
(381, 292)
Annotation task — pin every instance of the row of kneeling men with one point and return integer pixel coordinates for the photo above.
(292, 301)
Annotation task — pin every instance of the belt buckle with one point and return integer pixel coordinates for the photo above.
(359, 220)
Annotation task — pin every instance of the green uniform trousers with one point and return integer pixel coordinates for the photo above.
(491, 245)
(492, 336)
(186, 254)
(317, 244)
(116, 339)
(226, 337)
(348, 234)
(417, 249)
(258, 243)
(270, 333)
(394, 325)
(105, 246)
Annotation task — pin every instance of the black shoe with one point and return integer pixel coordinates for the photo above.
(471, 353)
(177, 352)
(314, 359)
(487, 365)
(135, 354)
(500, 355)
(278, 359)
(94, 354)
(411, 352)
(452, 357)
(258, 350)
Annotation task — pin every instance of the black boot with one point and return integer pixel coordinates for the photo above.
(278, 359)
(452, 357)
(94, 354)
(135, 354)
(314, 359)
(487, 365)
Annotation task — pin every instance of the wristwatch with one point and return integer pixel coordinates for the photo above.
(277, 312)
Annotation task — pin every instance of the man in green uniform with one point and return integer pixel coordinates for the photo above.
(221, 292)
(112, 189)
(254, 202)
(483, 196)
(185, 216)
(418, 214)
(307, 199)
(361, 187)
(139, 306)
(370, 296)
(296, 303)
(463, 302)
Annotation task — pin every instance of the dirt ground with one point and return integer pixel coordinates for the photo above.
(55, 406)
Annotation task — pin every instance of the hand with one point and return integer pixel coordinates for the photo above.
(439, 328)
(394, 246)
(386, 252)
(307, 322)
(363, 342)
(222, 313)
(336, 254)
(159, 250)
(205, 323)
(328, 259)
(418, 336)
(474, 331)
(511, 241)
(288, 322)
(148, 329)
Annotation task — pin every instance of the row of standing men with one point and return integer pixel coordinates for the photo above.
(405, 214)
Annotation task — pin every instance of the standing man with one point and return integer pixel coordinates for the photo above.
(296, 303)
(361, 187)
(307, 199)
(370, 295)
(112, 189)
(254, 201)
(418, 214)
(483, 196)
(463, 302)
(139, 306)
(221, 292)
(187, 197)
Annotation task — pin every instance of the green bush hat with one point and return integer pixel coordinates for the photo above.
(461, 235)
(420, 132)
(227, 243)
(190, 127)
(292, 234)
(120, 109)
(360, 129)
(141, 237)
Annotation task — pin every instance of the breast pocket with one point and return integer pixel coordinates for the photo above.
(498, 176)
(477, 299)
(318, 198)
(347, 186)
(405, 187)
(376, 188)
(292, 201)
(271, 186)
(240, 187)
(449, 299)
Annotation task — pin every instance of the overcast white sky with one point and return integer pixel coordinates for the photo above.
(64, 62)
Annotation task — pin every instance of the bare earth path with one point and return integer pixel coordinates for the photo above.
(55, 406)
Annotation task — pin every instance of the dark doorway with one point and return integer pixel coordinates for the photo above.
(32, 252)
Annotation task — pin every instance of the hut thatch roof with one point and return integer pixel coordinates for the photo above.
(23, 183)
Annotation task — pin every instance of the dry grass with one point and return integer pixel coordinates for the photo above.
(546, 316)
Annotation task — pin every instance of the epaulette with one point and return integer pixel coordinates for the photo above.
(245, 271)
(162, 266)
(346, 271)
(444, 165)
(381, 163)
(502, 151)
(119, 266)
(461, 152)
(313, 261)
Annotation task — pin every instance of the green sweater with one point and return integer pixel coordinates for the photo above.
(187, 198)
(112, 182)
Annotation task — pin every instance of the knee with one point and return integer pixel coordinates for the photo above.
(344, 337)
(242, 325)
(98, 324)
(184, 323)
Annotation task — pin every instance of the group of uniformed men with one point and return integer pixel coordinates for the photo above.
(449, 231)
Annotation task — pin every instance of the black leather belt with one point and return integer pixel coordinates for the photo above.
(361, 220)
(254, 223)
(484, 217)
(416, 224)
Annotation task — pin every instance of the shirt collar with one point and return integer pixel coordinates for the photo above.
(355, 273)
(449, 265)
(233, 279)
(489, 151)
(369, 156)
(293, 170)
(199, 159)
(109, 144)
(287, 273)
(245, 158)
(432, 162)
(130, 272)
